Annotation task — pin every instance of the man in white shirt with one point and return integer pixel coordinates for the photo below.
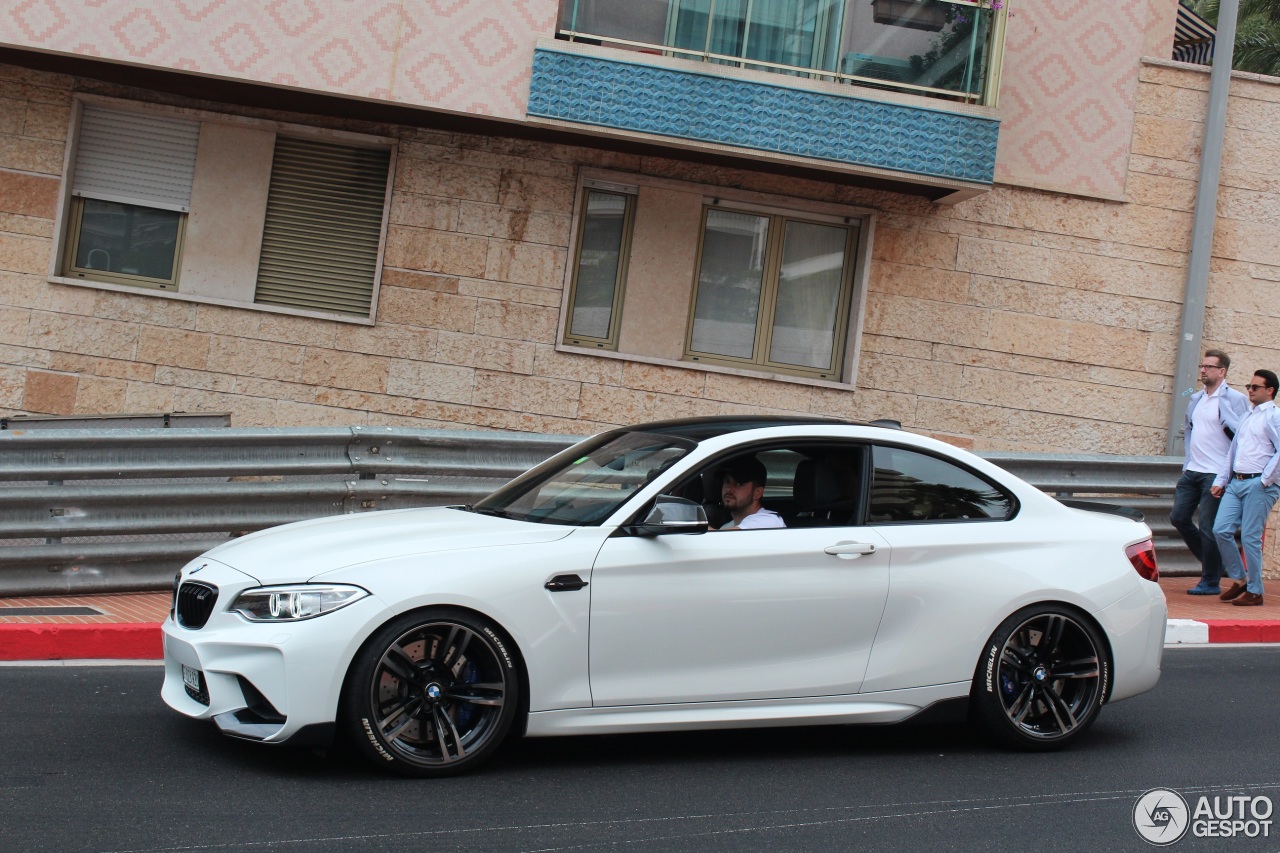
(741, 490)
(1213, 415)
(1248, 487)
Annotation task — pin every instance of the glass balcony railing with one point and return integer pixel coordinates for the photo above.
(937, 48)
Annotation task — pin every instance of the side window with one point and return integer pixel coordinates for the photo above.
(910, 486)
(604, 238)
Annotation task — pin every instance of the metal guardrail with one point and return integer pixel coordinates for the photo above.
(118, 510)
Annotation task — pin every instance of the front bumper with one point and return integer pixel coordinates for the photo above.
(262, 681)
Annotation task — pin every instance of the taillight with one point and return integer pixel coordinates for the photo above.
(1143, 557)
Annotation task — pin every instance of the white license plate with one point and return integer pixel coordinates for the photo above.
(191, 677)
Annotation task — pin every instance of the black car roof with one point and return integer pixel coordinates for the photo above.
(700, 429)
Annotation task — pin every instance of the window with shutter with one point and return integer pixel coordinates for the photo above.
(323, 226)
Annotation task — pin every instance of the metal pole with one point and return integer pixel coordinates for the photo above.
(1193, 302)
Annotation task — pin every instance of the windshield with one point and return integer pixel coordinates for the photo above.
(587, 483)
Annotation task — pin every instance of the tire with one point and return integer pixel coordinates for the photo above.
(1042, 679)
(432, 693)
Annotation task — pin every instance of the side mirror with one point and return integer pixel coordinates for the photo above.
(671, 515)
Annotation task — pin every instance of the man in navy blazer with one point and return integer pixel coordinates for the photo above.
(1248, 487)
(1213, 415)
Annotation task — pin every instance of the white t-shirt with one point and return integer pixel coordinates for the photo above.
(758, 520)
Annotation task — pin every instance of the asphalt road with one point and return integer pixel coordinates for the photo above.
(91, 760)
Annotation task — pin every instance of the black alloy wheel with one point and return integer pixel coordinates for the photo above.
(432, 694)
(1042, 679)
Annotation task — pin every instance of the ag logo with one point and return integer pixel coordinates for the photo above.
(1161, 816)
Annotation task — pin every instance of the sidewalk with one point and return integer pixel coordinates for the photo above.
(126, 626)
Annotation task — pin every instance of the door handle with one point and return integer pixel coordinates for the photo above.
(565, 583)
(850, 550)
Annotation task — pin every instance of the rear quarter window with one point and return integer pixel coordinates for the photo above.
(909, 486)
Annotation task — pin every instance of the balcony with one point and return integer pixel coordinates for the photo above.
(902, 89)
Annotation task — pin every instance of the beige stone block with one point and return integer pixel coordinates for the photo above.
(865, 404)
(895, 373)
(485, 353)
(1172, 102)
(145, 308)
(1004, 294)
(1063, 397)
(1092, 344)
(306, 331)
(516, 322)
(1262, 116)
(448, 180)
(427, 308)
(1171, 139)
(333, 369)
(528, 164)
(1180, 169)
(273, 389)
(1162, 354)
(444, 383)
(1247, 241)
(896, 346)
(28, 226)
(526, 263)
(1181, 77)
(13, 383)
(1261, 208)
(28, 195)
(1159, 191)
(758, 392)
(419, 280)
(407, 342)
(667, 380)
(27, 154)
(13, 115)
(1004, 260)
(917, 247)
(615, 406)
(47, 121)
(922, 282)
(534, 192)
(25, 357)
(195, 379)
(519, 225)
(528, 422)
(580, 368)
(239, 322)
(24, 254)
(1121, 311)
(916, 319)
(436, 251)
(97, 396)
(1253, 330)
(670, 407)
(1088, 271)
(555, 397)
(50, 393)
(264, 359)
(506, 292)
(424, 211)
(118, 369)
(13, 325)
(433, 148)
(173, 347)
(145, 397)
(1247, 152)
(83, 335)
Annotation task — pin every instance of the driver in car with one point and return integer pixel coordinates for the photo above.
(741, 490)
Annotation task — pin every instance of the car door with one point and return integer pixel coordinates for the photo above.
(735, 615)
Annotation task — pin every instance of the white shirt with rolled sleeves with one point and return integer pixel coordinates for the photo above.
(1256, 447)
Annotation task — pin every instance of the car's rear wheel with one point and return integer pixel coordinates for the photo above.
(432, 693)
(1042, 678)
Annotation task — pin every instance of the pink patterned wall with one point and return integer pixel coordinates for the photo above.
(1067, 91)
(1070, 73)
(461, 55)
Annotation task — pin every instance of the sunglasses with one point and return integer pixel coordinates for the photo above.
(1255, 387)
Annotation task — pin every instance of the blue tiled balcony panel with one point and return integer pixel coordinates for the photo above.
(762, 116)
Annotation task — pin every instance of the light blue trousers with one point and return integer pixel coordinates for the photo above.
(1244, 508)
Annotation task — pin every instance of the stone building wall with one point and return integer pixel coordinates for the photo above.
(1018, 320)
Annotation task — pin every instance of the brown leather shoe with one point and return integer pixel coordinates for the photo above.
(1248, 600)
(1237, 590)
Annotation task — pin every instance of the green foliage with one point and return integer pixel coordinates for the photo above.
(1257, 46)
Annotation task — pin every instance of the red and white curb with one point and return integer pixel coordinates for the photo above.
(1200, 631)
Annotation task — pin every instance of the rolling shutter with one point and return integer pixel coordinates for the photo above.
(323, 226)
(136, 158)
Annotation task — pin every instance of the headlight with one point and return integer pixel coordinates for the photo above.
(293, 603)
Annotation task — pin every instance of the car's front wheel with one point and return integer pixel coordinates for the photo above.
(1042, 678)
(432, 693)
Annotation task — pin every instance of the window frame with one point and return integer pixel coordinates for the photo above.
(770, 286)
(74, 234)
(620, 279)
(61, 271)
